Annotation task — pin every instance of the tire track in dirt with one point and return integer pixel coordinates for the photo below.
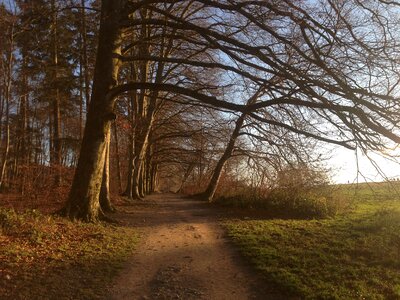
(183, 254)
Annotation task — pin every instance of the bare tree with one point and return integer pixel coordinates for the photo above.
(331, 67)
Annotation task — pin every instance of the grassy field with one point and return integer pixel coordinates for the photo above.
(45, 257)
(353, 255)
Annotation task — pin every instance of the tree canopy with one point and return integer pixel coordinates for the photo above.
(195, 83)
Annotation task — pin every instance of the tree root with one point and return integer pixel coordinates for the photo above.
(104, 218)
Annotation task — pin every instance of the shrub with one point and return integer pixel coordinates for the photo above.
(297, 192)
(8, 221)
(310, 204)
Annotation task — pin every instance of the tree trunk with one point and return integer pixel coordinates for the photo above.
(23, 122)
(8, 83)
(131, 163)
(23, 153)
(105, 200)
(145, 114)
(7, 138)
(213, 184)
(132, 109)
(85, 55)
(148, 173)
(142, 121)
(154, 172)
(83, 202)
(81, 86)
(142, 183)
(185, 177)
(144, 126)
(141, 148)
(56, 101)
(118, 161)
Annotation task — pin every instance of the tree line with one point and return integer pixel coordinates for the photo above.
(190, 93)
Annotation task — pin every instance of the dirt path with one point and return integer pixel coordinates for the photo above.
(182, 255)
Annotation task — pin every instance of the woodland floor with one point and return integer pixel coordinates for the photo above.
(183, 254)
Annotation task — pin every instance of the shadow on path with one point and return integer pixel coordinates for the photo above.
(183, 254)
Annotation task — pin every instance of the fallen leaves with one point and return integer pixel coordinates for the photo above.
(50, 257)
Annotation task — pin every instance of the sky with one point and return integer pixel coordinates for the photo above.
(344, 167)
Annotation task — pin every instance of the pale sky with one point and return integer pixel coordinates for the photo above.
(344, 164)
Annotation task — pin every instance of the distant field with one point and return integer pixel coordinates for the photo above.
(354, 255)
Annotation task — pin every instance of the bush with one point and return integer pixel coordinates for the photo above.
(8, 221)
(310, 204)
(241, 201)
(289, 204)
(297, 192)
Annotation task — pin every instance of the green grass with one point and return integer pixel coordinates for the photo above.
(354, 255)
(45, 257)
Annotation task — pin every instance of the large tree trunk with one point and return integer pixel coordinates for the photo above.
(83, 202)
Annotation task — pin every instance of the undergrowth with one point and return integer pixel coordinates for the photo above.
(301, 192)
(317, 203)
(46, 257)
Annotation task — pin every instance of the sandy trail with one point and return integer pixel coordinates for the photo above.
(183, 254)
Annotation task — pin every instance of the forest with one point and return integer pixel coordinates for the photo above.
(205, 118)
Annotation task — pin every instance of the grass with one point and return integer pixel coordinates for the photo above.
(45, 257)
(354, 255)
